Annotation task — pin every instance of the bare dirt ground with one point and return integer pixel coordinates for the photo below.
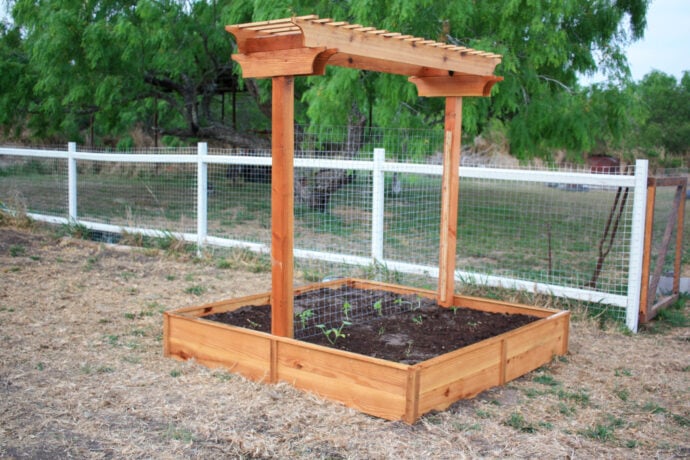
(82, 375)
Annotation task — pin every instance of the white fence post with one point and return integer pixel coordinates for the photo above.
(201, 195)
(71, 182)
(632, 310)
(378, 196)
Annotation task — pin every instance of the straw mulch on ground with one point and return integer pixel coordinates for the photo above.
(82, 375)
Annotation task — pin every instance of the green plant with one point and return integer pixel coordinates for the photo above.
(347, 307)
(622, 393)
(546, 379)
(179, 434)
(17, 250)
(566, 410)
(600, 432)
(654, 408)
(175, 373)
(418, 320)
(581, 396)
(195, 290)
(378, 307)
(75, 230)
(681, 420)
(517, 421)
(333, 334)
(304, 316)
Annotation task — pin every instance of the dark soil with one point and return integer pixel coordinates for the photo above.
(381, 324)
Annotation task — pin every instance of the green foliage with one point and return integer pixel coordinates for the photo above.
(105, 66)
(666, 123)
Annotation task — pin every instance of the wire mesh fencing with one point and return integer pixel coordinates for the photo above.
(35, 184)
(356, 213)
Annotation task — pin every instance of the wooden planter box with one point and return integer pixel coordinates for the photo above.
(374, 386)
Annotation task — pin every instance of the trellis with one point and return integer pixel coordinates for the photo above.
(303, 46)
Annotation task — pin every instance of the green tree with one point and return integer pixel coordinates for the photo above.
(111, 64)
(666, 105)
(545, 47)
(102, 66)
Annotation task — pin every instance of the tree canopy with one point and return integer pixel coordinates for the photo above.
(98, 68)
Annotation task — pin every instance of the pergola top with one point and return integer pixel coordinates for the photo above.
(305, 45)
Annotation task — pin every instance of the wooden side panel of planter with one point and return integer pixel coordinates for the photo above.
(214, 345)
(369, 385)
(461, 374)
(381, 388)
(536, 344)
(225, 305)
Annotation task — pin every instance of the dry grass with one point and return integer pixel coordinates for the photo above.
(82, 374)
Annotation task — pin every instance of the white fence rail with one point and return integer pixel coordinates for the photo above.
(628, 258)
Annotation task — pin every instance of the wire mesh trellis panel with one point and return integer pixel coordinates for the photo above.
(138, 194)
(554, 235)
(333, 211)
(34, 184)
(239, 202)
(412, 216)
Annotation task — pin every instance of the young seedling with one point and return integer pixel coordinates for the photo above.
(417, 319)
(347, 307)
(378, 308)
(333, 334)
(304, 317)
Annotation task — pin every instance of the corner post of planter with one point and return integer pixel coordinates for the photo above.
(449, 200)
(282, 206)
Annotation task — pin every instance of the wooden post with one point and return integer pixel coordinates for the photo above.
(449, 201)
(282, 204)
(647, 251)
(682, 190)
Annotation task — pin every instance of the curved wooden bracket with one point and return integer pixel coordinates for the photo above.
(287, 62)
(456, 85)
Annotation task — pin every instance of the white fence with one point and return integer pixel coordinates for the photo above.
(606, 233)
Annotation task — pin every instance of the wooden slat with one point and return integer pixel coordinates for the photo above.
(216, 345)
(366, 45)
(457, 85)
(225, 305)
(464, 374)
(382, 65)
(535, 344)
(282, 205)
(283, 62)
(372, 386)
(367, 42)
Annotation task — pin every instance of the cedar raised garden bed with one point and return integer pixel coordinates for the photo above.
(384, 388)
